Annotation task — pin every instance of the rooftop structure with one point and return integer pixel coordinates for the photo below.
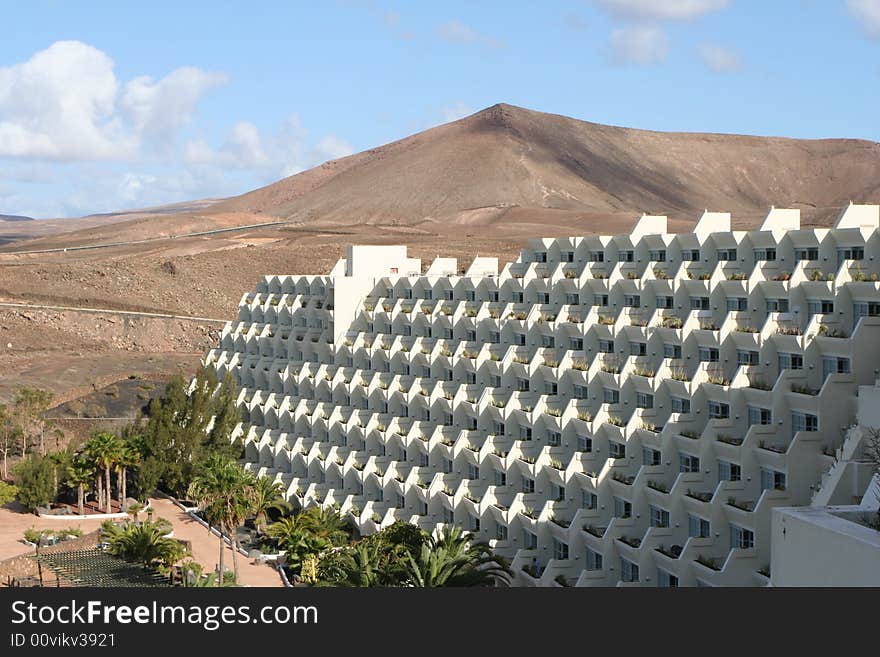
(606, 410)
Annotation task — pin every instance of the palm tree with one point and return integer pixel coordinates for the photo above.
(79, 474)
(328, 524)
(451, 558)
(268, 495)
(104, 449)
(146, 543)
(364, 565)
(60, 462)
(128, 456)
(224, 491)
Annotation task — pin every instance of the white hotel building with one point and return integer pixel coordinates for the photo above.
(605, 411)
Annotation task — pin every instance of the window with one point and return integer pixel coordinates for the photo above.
(791, 361)
(543, 297)
(585, 444)
(475, 524)
(680, 405)
(759, 415)
(518, 297)
(688, 463)
(448, 516)
(807, 253)
(519, 339)
(576, 344)
(572, 299)
(498, 428)
(580, 391)
(658, 255)
(644, 400)
(567, 256)
(816, 307)
(850, 253)
(548, 341)
(557, 492)
(625, 256)
(473, 471)
(698, 527)
(650, 456)
(501, 532)
(737, 304)
(600, 299)
(726, 254)
(777, 305)
(768, 254)
(741, 538)
(594, 560)
(494, 337)
(632, 300)
(541, 256)
(629, 571)
(525, 433)
(606, 346)
(803, 422)
(447, 465)
(728, 471)
(554, 438)
(688, 255)
(617, 450)
(560, 550)
(664, 302)
(671, 350)
(589, 500)
(772, 479)
(493, 295)
(659, 517)
(622, 508)
(423, 459)
(610, 396)
(865, 309)
(834, 365)
(718, 410)
(500, 478)
(470, 335)
(699, 303)
(522, 384)
(530, 540)
(744, 357)
(638, 348)
(708, 354)
(597, 256)
(550, 387)
(666, 580)
(528, 485)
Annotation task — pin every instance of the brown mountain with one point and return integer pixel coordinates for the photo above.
(472, 171)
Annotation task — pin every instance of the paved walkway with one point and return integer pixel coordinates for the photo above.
(205, 545)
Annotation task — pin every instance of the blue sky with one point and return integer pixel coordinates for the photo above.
(108, 105)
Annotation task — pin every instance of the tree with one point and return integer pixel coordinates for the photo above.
(8, 492)
(224, 491)
(128, 456)
(363, 565)
(451, 558)
(34, 478)
(268, 496)
(10, 435)
(146, 543)
(104, 449)
(30, 404)
(60, 461)
(185, 426)
(80, 473)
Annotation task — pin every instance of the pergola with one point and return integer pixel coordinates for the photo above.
(94, 567)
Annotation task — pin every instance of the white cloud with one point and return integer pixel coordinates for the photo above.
(64, 103)
(456, 111)
(720, 59)
(458, 32)
(641, 45)
(662, 10)
(158, 109)
(281, 154)
(867, 12)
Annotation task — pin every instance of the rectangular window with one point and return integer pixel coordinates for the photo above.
(850, 253)
(560, 550)
(541, 256)
(557, 492)
(610, 396)
(498, 428)
(600, 300)
(554, 438)
(728, 471)
(585, 444)
(550, 387)
(528, 485)
(777, 305)
(644, 400)
(548, 341)
(737, 304)
(589, 500)
(493, 295)
(494, 337)
(772, 479)
(791, 361)
(671, 350)
(664, 302)
(726, 254)
(625, 256)
(666, 580)
(834, 365)
(758, 415)
(698, 527)
(500, 478)
(690, 255)
(632, 300)
(525, 433)
(622, 508)
(522, 385)
(638, 348)
(699, 303)
(708, 354)
(688, 463)
(597, 256)
(820, 307)
(768, 254)
(629, 571)
(494, 380)
(594, 560)
(807, 253)
(501, 532)
(680, 405)
(572, 299)
(543, 297)
(616, 450)
(530, 540)
(580, 391)
(567, 256)
(576, 344)
(658, 255)
(519, 339)
(473, 471)
(803, 422)
(659, 517)
(741, 538)
(744, 357)
(650, 456)
(606, 346)
(718, 410)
